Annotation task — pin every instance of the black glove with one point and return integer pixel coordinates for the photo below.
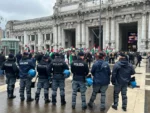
(113, 83)
(89, 76)
(17, 76)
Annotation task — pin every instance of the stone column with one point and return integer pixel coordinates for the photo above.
(39, 41)
(143, 38)
(83, 35)
(149, 32)
(25, 38)
(87, 37)
(55, 31)
(149, 28)
(112, 32)
(144, 26)
(35, 35)
(78, 35)
(22, 39)
(50, 38)
(44, 40)
(117, 48)
(63, 38)
(107, 32)
(59, 38)
(139, 35)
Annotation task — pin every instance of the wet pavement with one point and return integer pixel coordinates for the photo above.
(16, 106)
(147, 92)
(2, 80)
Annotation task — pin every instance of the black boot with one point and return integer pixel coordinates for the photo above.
(54, 99)
(29, 99)
(63, 102)
(114, 107)
(12, 96)
(12, 93)
(47, 98)
(8, 93)
(124, 108)
(37, 95)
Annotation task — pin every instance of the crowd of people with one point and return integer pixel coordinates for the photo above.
(50, 67)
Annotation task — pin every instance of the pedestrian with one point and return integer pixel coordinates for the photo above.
(89, 59)
(2, 60)
(43, 79)
(57, 68)
(101, 79)
(11, 71)
(121, 75)
(107, 57)
(139, 59)
(80, 70)
(72, 57)
(131, 58)
(18, 57)
(25, 65)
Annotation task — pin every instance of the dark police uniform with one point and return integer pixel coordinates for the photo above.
(11, 71)
(121, 75)
(80, 70)
(43, 79)
(101, 79)
(57, 67)
(25, 65)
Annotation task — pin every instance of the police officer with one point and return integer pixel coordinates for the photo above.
(43, 79)
(121, 76)
(139, 59)
(80, 70)
(11, 71)
(101, 79)
(57, 68)
(25, 65)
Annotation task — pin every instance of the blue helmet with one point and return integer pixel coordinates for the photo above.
(89, 81)
(66, 73)
(133, 84)
(32, 73)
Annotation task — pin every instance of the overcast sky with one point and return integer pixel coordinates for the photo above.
(24, 9)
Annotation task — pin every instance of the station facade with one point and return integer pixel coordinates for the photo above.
(75, 23)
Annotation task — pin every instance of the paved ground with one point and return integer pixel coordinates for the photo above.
(2, 80)
(147, 91)
(136, 99)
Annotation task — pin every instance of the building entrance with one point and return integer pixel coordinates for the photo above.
(128, 37)
(70, 40)
(94, 37)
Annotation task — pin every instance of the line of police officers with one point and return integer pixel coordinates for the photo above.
(53, 71)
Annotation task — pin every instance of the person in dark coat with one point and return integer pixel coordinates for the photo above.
(101, 79)
(43, 79)
(89, 59)
(139, 59)
(11, 71)
(25, 65)
(2, 60)
(57, 68)
(80, 70)
(121, 76)
(18, 57)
